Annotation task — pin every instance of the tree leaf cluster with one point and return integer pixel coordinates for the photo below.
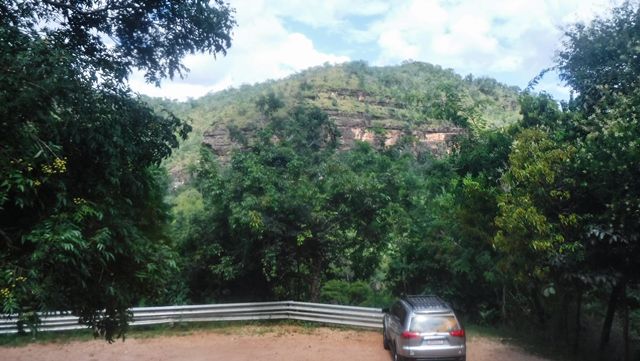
(82, 212)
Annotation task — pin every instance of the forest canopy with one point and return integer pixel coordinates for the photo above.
(530, 220)
(526, 216)
(82, 217)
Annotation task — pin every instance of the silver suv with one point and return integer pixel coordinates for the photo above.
(423, 328)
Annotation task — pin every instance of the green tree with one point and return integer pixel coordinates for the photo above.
(290, 213)
(270, 230)
(600, 59)
(537, 220)
(600, 62)
(567, 212)
(610, 153)
(81, 192)
(446, 248)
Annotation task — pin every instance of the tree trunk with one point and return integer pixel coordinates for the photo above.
(504, 304)
(563, 321)
(578, 324)
(404, 275)
(625, 326)
(538, 306)
(316, 278)
(617, 290)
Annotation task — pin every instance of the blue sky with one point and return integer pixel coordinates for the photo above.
(510, 40)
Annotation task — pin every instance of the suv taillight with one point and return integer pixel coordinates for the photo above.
(457, 333)
(409, 335)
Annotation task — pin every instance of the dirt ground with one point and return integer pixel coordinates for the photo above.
(248, 343)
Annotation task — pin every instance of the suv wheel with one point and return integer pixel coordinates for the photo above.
(385, 340)
(395, 355)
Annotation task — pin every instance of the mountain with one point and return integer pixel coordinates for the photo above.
(367, 103)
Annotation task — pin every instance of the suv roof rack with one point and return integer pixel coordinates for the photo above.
(426, 302)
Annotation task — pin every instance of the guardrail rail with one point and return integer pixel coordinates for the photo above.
(282, 310)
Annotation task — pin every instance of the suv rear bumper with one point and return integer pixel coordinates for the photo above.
(432, 353)
(461, 358)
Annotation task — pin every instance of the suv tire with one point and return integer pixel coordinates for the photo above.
(395, 356)
(385, 340)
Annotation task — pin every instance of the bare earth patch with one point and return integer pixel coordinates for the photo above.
(264, 343)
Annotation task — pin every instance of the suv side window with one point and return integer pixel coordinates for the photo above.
(402, 315)
(398, 311)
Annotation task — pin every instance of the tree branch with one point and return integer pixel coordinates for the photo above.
(6, 237)
(58, 4)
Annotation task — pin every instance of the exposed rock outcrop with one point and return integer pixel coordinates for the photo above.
(220, 141)
(353, 128)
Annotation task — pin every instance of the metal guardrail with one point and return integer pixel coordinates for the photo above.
(283, 310)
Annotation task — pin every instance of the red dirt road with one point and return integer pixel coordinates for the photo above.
(261, 343)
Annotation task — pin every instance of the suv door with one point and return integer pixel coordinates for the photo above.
(394, 324)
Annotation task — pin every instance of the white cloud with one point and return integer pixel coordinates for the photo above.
(510, 40)
(508, 63)
(394, 42)
(327, 13)
(484, 37)
(262, 49)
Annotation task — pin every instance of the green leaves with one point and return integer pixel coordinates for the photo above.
(152, 36)
(82, 213)
(536, 209)
(600, 60)
(291, 209)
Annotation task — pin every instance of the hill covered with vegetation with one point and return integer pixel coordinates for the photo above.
(364, 101)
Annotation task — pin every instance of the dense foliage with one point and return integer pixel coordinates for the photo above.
(289, 213)
(82, 212)
(530, 223)
(529, 219)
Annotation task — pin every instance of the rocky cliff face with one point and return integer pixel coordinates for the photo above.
(219, 140)
(353, 127)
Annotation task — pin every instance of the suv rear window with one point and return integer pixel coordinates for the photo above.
(433, 323)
